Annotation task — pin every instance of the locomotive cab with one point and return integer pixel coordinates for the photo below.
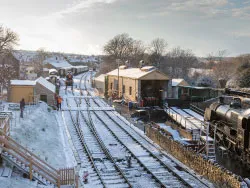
(235, 103)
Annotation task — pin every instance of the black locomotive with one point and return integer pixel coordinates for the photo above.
(232, 124)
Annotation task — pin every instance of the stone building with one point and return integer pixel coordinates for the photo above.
(145, 84)
(32, 91)
(45, 91)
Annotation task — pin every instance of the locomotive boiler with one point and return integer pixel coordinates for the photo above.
(232, 124)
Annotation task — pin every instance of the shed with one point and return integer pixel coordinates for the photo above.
(100, 83)
(176, 91)
(45, 90)
(198, 94)
(22, 89)
(146, 85)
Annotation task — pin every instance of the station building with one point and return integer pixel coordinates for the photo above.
(147, 85)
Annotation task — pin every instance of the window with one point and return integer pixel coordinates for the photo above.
(123, 89)
(130, 90)
(111, 86)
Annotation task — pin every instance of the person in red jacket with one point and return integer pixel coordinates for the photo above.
(59, 103)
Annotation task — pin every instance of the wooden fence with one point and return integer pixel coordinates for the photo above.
(202, 166)
(68, 177)
(5, 124)
(57, 177)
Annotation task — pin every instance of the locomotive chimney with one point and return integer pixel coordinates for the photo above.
(221, 100)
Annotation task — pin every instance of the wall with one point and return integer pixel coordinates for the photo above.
(128, 82)
(19, 92)
(41, 90)
(203, 167)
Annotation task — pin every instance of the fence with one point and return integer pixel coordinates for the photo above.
(202, 166)
(5, 123)
(37, 165)
(68, 177)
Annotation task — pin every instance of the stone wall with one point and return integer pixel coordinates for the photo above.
(41, 90)
(208, 169)
(127, 82)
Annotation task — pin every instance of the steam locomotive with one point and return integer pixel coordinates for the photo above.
(232, 124)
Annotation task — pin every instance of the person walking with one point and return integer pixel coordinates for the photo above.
(59, 103)
(22, 105)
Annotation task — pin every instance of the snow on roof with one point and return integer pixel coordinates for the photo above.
(176, 82)
(45, 69)
(23, 82)
(100, 78)
(130, 72)
(46, 84)
(57, 62)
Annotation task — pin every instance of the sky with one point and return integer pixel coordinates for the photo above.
(85, 26)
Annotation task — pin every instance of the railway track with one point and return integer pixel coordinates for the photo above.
(89, 147)
(155, 165)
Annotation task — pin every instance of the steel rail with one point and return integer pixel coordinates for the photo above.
(81, 138)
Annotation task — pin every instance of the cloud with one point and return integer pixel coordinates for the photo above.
(81, 5)
(242, 13)
(239, 34)
(205, 8)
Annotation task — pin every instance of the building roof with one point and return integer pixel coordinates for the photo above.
(23, 82)
(57, 62)
(100, 78)
(46, 84)
(178, 82)
(135, 73)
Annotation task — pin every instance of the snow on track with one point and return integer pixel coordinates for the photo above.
(149, 166)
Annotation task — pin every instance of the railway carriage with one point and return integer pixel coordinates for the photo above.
(64, 70)
(74, 69)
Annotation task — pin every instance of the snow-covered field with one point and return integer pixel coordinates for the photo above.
(42, 132)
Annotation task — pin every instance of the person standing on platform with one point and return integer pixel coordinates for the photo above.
(22, 105)
(59, 102)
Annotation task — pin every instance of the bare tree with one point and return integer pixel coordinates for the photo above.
(157, 49)
(8, 39)
(120, 47)
(38, 61)
(124, 48)
(9, 66)
(178, 62)
(137, 53)
(9, 69)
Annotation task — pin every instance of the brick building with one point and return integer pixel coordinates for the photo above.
(137, 84)
(45, 90)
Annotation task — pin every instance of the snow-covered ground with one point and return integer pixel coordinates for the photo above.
(42, 132)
